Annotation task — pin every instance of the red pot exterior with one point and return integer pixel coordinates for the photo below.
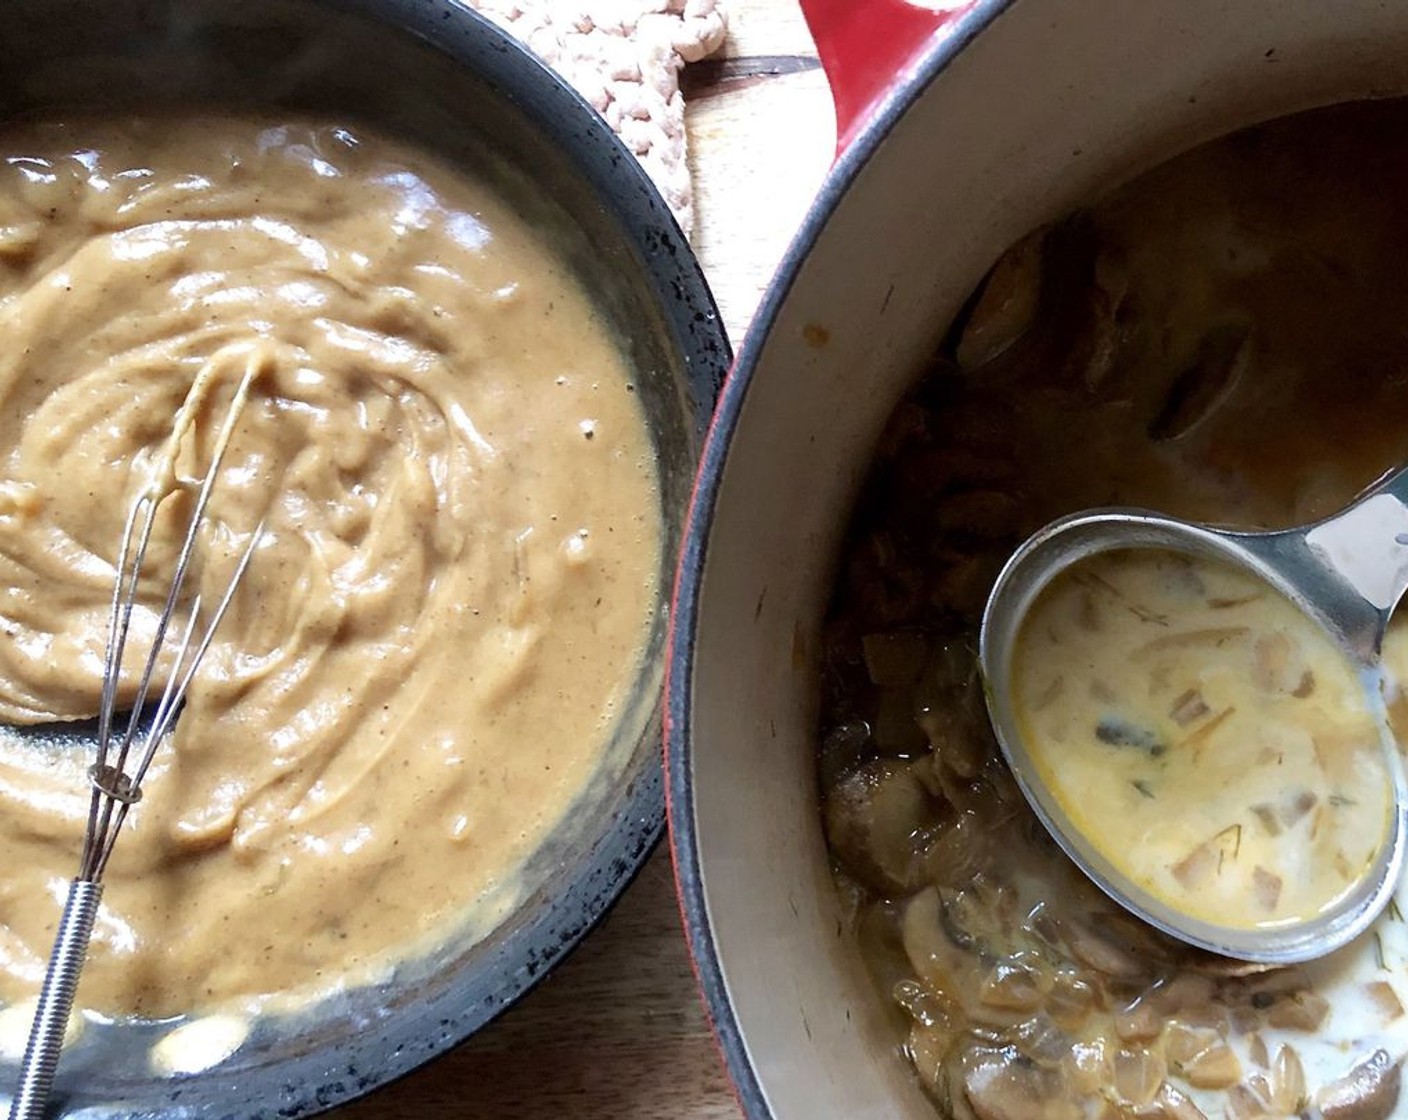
(870, 49)
(1014, 114)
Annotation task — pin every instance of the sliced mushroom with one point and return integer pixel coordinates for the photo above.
(959, 852)
(1088, 1067)
(1202, 385)
(1186, 1042)
(1071, 1001)
(943, 963)
(1139, 1074)
(1278, 663)
(1266, 888)
(1104, 955)
(1369, 1091)
(1187, 991)
(1244, 1103)
(1005, 307)
(1002, 1085)
(1189, 708)
(934, 1055)
(1296, 807)
(1015, 985)
(1217, 1067)
(1043, 1041)
(966, 794)
(1139, 1022)
(18, 239)
(926, 1007)
(1288, 1082)
(1385, 1000)
(954, 743)
(1210, 964)
(872, 816)
(1174, 1105)
(1298, 1011)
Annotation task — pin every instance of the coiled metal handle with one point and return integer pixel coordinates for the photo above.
(46, 1035)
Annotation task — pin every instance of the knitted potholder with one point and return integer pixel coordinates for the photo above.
(624, 57)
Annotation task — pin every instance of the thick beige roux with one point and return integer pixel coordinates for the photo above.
(456, 577)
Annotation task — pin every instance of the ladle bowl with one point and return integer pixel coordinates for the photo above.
(1346, 573)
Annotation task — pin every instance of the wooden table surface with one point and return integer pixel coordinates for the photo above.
(618, 1031)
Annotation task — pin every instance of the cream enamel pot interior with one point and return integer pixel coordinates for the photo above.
(435, 73)
(1000, 120)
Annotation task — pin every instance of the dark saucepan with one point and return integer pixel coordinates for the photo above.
(433, 72)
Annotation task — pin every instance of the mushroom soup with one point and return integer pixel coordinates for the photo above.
(1219, 340)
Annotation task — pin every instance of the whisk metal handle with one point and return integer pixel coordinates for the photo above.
(46, 1035)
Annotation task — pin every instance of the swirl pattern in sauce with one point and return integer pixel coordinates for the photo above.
(421, 669)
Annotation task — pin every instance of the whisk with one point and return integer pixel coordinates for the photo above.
(124, 758)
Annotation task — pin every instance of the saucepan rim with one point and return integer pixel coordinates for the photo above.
(598, 870)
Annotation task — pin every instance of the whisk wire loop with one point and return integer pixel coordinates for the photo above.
(122, 760)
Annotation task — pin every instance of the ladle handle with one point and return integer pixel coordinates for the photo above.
(1350, 570)
(46, 1035)
(1366, 546)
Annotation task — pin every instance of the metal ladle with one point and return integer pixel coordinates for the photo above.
(1347, 573)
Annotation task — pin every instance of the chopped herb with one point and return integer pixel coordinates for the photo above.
(1143, 787)
(1214, 636)
(1093, 579)
(1201, 735)
(1224, 604)
(1120, 733)
(1088, 617)
(1393, 911)
(1339, 800)
(1379, 951)
(1148, 616)
(1229, 837)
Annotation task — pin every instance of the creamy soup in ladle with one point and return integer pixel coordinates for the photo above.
(1209, 739)
(445, 617)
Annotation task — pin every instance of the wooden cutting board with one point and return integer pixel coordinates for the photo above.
(618, 1032)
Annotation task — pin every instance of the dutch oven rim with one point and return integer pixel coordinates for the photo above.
(679, 686)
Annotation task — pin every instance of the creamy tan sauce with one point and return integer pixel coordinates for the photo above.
(1209, 739)
(424, 664)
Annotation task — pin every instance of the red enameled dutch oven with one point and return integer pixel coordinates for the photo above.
(961, 131)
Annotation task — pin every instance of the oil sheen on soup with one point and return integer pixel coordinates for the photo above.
(1217, 340)
(446, 608)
